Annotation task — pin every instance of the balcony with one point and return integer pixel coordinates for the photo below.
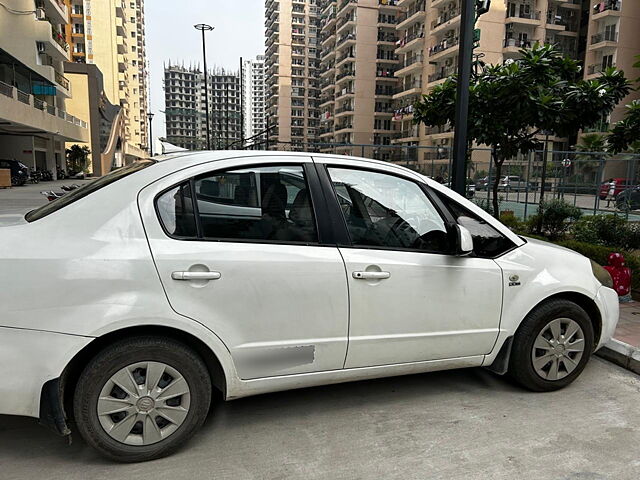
(51, 41)
(410, 42)
(514, 45)
(524, 17)
(442, 73)
(448, 18)
(411, 87)
(415, 14)
(25, 113)
(411, 65)
(598, 68)
(444, 47)
(603, 40)
(606, 8)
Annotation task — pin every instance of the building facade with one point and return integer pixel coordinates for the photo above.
(34, 122)
(253, 92)
(185, 108)
(291, 67)
(111, 35)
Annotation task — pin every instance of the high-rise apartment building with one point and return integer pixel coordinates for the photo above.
(291, 68)
(185, 109)
(34, 121)
(613, 40)
(358, 64)
(253, 91)
(111, 35)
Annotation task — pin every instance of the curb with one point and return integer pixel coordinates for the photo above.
(622, 354)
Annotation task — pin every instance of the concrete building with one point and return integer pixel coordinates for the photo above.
(292, 58)
(185, 109)
(358, 64)
(34, 122)
(613, 40)
(253, 92)
(111, 35)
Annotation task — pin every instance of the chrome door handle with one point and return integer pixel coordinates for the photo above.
(196, 275)
(371, 275)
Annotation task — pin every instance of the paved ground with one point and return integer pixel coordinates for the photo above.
(628, 330)
(448, 425)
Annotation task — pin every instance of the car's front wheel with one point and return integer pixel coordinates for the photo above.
(552, 346)
(142, 398)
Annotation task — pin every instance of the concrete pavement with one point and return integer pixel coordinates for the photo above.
(465, 424)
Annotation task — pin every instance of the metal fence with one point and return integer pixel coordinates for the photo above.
(579, 178)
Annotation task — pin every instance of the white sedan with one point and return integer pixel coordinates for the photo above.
(129, 301)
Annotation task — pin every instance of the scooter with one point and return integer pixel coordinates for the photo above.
(51, 195)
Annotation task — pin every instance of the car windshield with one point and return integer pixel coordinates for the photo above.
(87, 189)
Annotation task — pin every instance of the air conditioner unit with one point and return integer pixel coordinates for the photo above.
(41, 47)
(41, 14)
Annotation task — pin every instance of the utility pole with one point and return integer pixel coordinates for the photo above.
(460, 141)
(203, 27)
(150, 117)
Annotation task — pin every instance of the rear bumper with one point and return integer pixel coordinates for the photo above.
(609, 306)
(29, 359)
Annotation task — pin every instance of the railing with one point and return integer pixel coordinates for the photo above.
(418, 8)
(514, 42)
(410, 38)
(442, 73)
(445, 17)
(443, 45)
(342, 75)
(606, 5)
(535, 15)
(59, 38)
(346, 108)
(345, 38)
(604, 37)
(23, 97)
(412, 60)
(343, 127)
(61, 80)
(598, 68)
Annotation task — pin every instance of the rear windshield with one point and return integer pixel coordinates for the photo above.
(86, 189)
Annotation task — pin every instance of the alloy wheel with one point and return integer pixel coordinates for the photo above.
(557, 349)
(143, 403)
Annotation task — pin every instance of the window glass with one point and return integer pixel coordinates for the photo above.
(263, 203)
(382, 210)
(487, 241)
(175, 208)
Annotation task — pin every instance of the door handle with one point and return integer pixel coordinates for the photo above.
(196, 275)
(371, 275)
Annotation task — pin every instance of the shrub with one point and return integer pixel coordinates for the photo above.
(608, 230)
(557, 216)
(599, 254)
(510, 220)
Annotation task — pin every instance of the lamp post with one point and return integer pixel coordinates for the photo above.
(150, 117)
(203, 27)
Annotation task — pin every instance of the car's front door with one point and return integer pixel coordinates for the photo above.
(410, 298)
(245, 259)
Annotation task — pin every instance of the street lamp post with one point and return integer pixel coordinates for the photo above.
(203, 27)
(150, 117)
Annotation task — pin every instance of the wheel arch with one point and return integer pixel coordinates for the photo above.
(584, 302)
(72, 371)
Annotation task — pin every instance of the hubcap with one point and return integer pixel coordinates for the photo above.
(558, 349)
(143, 403)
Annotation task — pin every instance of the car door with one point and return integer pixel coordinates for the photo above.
(238, 249)
(410, 298)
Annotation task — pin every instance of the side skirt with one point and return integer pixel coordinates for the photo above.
(246, 388)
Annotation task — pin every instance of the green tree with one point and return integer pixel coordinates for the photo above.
(625, 135)
(587, 162)
(78, 158)
(512, 103)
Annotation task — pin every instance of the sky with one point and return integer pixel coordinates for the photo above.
(239, 32)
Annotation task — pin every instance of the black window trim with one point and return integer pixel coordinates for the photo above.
(318, 200)
(343, 236)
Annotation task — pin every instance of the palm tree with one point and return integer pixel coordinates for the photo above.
(593, 146)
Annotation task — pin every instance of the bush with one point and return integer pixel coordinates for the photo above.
(599, 254)
(510, 220)
(557, 216)
(611, 231)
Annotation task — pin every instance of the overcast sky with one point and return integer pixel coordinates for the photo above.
(239, 32)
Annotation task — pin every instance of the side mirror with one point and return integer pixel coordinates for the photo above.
(465, 241)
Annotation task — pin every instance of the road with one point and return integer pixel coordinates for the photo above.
(447, 425)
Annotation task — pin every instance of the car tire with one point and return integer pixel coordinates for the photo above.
(139, 421)
(558, 362)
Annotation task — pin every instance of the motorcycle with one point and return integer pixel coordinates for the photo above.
(51, 195)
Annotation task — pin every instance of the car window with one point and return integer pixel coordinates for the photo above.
(254, 204)
(175, 208)
(87, 189)
(487, 241)
(382, 210)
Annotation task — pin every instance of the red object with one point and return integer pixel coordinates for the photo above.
(622, 184)
(620, 273)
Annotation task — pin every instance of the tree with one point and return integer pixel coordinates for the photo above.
(591, 142)
(625, 134)
(77, 158)
(512, 103)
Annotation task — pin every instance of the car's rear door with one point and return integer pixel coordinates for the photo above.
(252, 260)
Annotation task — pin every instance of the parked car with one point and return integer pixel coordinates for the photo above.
(485, 183)
(19, 171)
(628, 199)
(471, 187)
(621, 184)
(512, 183)
(252, 272)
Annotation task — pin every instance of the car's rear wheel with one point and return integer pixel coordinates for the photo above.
(552, 346)
(142, 398)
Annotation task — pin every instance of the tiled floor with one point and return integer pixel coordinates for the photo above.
(628, 330)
